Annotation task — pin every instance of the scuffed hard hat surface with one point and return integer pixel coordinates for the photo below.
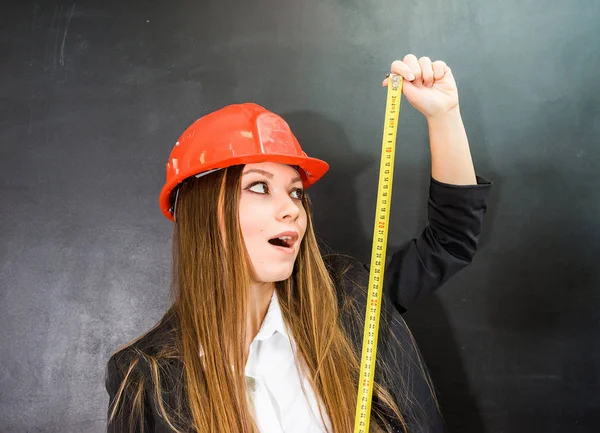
(236, 130)
(221, 134)
(274, 135)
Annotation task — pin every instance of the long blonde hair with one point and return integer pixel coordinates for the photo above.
(209, 311)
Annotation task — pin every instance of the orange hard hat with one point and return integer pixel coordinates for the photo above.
(235, 134)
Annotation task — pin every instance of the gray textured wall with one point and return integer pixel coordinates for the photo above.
(94, 94)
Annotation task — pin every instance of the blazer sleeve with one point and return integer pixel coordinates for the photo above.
(447, 244)
(126, 418)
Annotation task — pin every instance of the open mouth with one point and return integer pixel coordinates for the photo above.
(284, 241)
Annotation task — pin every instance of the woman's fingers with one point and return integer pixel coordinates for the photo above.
(419, 71)
(426, 71)
(439, 69)
(400, 68)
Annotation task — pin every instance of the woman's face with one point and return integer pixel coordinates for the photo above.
(272, 219)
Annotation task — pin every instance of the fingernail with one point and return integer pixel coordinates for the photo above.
(411, 77)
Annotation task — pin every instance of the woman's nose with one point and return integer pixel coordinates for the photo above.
(287, 208)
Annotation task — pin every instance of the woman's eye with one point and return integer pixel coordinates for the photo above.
(261, 187)
(299, 194)
(258, 187)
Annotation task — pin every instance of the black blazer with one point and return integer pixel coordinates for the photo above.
(446, 245)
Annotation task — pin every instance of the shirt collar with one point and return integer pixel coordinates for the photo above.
(273, 321)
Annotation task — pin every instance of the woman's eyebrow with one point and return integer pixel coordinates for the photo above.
(269, 175)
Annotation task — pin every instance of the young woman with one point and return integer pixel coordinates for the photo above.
(265, 332)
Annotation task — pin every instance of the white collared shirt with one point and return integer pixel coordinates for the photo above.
(274, 385)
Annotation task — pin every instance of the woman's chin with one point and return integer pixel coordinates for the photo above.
(272, 276)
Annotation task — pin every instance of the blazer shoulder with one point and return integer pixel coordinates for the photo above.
(158, 339)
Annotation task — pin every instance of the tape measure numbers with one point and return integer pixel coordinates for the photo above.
(380, 233)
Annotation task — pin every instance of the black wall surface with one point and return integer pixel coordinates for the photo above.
(95, 93)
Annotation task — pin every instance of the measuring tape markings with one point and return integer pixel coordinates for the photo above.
(376, 273)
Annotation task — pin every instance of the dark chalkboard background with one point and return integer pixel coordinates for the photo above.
(95, 93)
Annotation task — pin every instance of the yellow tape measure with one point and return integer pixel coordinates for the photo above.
(380, 232)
